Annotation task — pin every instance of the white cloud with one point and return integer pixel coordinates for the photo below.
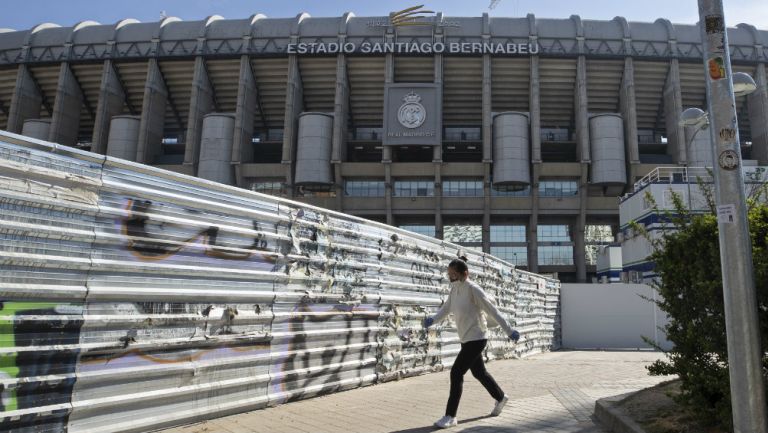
(753, 12)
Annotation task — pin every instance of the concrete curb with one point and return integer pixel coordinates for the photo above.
(613, 418)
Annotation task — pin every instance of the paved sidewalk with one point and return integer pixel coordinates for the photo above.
(551, 392)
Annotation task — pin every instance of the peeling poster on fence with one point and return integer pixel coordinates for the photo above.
(726, 213)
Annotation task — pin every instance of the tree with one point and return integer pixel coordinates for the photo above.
(687, 259)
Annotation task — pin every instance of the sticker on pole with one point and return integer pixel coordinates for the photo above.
(714, 24)
(716, 67)
(727, 135)
(728, 160)
(726, 213)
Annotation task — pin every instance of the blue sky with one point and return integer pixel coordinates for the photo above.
(28, 13)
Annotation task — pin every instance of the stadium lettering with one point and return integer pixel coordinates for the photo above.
(412, 48)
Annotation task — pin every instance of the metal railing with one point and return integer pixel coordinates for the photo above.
(673, 175)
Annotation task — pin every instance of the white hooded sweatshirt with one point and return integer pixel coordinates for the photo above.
(467, 301)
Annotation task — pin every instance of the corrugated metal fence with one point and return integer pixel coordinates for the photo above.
(135, 298)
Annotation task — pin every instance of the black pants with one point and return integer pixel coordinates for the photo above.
(470, 358)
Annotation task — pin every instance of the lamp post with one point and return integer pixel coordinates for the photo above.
(741, 320)
(698, 119)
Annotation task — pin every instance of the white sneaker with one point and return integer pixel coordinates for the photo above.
(446, 421)
(500, 406)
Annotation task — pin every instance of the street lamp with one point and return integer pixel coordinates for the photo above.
(695, 117)
(743, 85)
(740, 300)
(698, 119)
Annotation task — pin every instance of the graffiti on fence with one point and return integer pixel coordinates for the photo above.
(153, 235)
(298, 349)
(43, 336)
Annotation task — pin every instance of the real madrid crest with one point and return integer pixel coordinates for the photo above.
(411, 114)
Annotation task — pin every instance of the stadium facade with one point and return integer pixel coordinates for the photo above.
(510, 135)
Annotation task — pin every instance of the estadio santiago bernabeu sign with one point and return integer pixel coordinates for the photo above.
(412, 48)
(412, 114)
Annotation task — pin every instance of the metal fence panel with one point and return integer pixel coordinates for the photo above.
(135, 298)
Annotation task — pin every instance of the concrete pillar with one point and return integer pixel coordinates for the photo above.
(437, 157)
(242, 146)
(200, 104)
(487, 134)
(487, 111)
(533, 222)
(580, 259)
(340, 122)
(486, 223)
(438, 200)
(757, 104)
(152, 114)
(582, 144)
(26, 100)
(673, 107)
(65, 124)
(581, 108)
(628, 106)
(313, 150)
(216, 140)
(581, 221)
(535, 111)
(123, 137)
(339, 181)
(110, 104)
(37, 128)
(386, 151)
(535, 118)
(294, 105)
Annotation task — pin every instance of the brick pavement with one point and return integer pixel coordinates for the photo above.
(549, 393)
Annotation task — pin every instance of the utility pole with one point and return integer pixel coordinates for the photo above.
(741, 319)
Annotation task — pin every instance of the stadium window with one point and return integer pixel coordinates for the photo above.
(303, 191)
(507, 233)
(364, 188)
(426, 230)
(553, 233)
(555, 255)
(463, 188)
(558, 188)
(271, 187)
(414, 188)
(515, 255)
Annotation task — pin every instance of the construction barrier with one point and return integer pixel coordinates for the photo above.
(135, 298)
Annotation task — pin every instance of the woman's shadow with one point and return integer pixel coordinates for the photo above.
(431, 428)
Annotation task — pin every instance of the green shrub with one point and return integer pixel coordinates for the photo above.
(690, 284)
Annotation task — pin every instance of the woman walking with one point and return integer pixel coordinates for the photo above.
(467, 302)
